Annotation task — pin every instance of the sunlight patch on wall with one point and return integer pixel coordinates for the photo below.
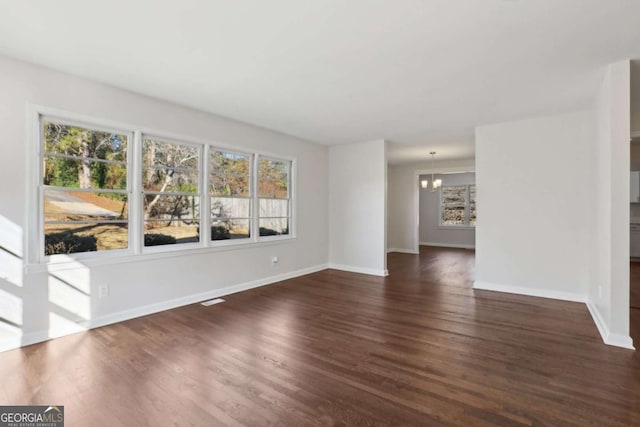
(10, 308)
(11, 282)
(69, 298)
(60, 326)
(75, 303)
(11, 237)
(10, 268)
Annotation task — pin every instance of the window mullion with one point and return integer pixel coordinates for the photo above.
(136, 208)
(205, 199)
(255, 200)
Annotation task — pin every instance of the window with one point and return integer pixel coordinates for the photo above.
(83, 188)
(274, 196)
(230, 195)
(170, 177)
(472, 205)
(104, 189)
(458, 206)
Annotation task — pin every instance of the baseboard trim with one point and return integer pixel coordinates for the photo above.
(40, 336)
(361, 270)
(541, 293)
(447, 245)
(403, 251)
(608, 338)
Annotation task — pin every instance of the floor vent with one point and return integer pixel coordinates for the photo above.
(212, 301)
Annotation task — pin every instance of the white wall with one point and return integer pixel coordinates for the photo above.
(431, 232)
(137, 286)
(357, 207)
(533, 202)
(403, 200)
(635, 97)
(609, 256)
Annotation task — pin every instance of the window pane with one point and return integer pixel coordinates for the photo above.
(229, 185)
(472, 205)
(171, 207)
(158, 233)
(230, 229)
(78, 173)
(169, 154)
(229, 174)
(226, 207)
(170, 180)
(62, 205)
(75, 238)
(453, 205)
(83, 142)
(274, 208)
(170, 232)
(273, 178)
(274, 226)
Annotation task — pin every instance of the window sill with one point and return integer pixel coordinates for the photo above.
(124, 257)
(456, 227)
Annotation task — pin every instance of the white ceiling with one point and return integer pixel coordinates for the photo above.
(419, 73)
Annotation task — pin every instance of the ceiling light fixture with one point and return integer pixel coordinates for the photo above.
(436, 183)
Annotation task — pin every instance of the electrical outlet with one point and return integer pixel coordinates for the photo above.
(274, 260)
(103, 291)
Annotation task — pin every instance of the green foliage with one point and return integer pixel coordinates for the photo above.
(158, 239)
(61, 172)
(229, 174)
(66, 243)
(82, 143)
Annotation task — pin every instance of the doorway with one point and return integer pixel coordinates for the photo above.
(445, 215)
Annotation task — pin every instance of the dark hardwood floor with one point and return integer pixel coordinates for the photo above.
(333, 348)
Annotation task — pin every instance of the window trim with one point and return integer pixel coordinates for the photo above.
(467, 208)
(36, 260)
(289, 198)
(140, 170)
(41, 187)
(252, 197)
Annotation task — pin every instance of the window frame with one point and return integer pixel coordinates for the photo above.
(35, 256)
(289, 198)
(41, 187)
(143, 192)
(252, 198)
(467, 208)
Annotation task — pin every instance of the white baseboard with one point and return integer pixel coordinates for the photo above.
(403, 251)
(542, 293)
(608, 338)
(447, 245)
(361, 270)
(40, 336)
